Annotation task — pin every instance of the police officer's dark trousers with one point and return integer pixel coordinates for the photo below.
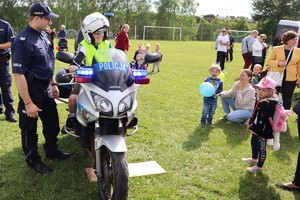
(5, 84)
(40, 94)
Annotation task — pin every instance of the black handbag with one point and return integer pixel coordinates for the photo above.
(257, 59)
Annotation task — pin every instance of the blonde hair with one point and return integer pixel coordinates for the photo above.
(258, 65)
(215, 66)
(125, 26)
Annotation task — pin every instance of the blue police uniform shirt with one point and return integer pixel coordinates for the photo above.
(32, 52)
(6, 35)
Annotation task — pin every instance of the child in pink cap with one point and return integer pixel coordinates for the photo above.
(259, 123)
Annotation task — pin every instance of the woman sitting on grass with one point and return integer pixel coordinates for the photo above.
(241, 98)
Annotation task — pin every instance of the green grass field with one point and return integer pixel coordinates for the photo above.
(201, 163)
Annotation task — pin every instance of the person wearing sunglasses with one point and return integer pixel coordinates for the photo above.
(222, 42)
(259, 51)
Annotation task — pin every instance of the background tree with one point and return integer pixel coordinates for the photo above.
(15, 12)
(136, 13)
(240, 23)
(204, 29)
(268, 13)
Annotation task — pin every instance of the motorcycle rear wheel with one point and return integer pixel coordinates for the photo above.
(113, 179)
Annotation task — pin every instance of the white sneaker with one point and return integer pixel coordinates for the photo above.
(224, 72)
(223, 118)
(254, 169)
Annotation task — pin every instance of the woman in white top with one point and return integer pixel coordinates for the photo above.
(259, 51)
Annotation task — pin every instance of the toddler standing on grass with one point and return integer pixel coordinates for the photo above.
(140, 57)
(210, 103)
(259, 123)
(157, 64)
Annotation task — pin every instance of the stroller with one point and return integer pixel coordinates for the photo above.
(63, 44)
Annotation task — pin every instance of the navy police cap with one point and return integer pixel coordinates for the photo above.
(42, 9)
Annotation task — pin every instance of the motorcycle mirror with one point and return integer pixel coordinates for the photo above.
(152, 57)
(64, 56)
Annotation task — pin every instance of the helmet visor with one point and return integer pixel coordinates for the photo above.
(103, 29)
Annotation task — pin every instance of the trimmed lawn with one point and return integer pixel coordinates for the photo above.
(201, 163)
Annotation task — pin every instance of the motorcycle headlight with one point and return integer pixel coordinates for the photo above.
(126, 103)
(102, 104)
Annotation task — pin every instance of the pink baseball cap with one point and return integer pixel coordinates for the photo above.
(266, 83)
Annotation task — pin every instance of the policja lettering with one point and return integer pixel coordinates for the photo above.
(105, 66)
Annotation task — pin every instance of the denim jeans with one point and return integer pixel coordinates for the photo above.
(209, 108)
(237, 115)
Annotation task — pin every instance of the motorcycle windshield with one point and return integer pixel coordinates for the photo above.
(111, 70)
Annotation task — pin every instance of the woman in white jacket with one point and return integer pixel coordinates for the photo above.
(259, 51)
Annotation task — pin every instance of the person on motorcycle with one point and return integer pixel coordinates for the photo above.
(94, 29)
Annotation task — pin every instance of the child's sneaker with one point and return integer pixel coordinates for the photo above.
(242, 124)
(224, 117)
(210, 123)
(203, 123)
(254, 169)
(250, 160)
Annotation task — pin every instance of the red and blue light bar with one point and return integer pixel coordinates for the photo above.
(140, 76)
(84, 75)
(138, 73)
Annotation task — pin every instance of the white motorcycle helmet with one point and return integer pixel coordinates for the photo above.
(93, 22)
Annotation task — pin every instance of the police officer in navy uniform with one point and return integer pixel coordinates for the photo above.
(33, 68)
(6, 37)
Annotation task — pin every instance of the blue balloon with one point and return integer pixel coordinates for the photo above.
(207, 89)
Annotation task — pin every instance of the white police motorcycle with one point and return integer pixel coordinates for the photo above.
(106, 108)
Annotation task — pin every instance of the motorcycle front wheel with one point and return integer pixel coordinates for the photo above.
(113, 179)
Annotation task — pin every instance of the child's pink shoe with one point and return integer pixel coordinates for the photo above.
(249, 160)
(254, 169)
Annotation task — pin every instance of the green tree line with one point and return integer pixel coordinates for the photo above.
(136, 13)
(267, 13)
(165, 13)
